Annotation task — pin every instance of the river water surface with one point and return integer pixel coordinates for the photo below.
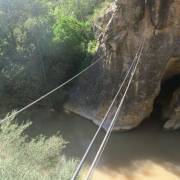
(147, 152)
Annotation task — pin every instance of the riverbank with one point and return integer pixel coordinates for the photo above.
(148, 152)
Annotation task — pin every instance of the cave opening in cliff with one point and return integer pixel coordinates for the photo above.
(164, 98)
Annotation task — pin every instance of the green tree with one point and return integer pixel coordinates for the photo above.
(42, 43)
(35, 159)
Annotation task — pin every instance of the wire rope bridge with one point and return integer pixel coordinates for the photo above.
(125, 83)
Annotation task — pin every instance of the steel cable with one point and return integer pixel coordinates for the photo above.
(108, 133)
(75, 174)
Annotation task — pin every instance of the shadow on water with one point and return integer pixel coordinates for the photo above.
(147, 142)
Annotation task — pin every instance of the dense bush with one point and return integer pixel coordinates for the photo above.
(42, 43)
(25, 36)
(35, 159)
(73, 35)
(81, 9)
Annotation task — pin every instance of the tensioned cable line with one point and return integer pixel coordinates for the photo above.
(104, 119)
(105, 140)
(102, 149)
(52, 91)
(108, 133)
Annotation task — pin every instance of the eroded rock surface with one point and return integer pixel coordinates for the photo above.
(125, 24)
(174, 112)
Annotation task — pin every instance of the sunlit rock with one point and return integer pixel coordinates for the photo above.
(126, 24)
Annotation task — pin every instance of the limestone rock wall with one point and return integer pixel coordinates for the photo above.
(122, 30)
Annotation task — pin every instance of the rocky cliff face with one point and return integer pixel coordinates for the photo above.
(173, 121)
(122, 29)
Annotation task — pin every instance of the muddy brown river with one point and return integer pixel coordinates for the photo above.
(145, 153)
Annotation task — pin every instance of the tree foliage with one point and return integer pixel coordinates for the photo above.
(35, 159)
(42, 43)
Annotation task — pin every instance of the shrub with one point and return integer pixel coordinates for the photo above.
(80, 9)
(35, 159)
(73, 37)
(72, 31)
